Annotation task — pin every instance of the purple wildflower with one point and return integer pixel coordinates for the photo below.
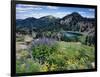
(44, 41)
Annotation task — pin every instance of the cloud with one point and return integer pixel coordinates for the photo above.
(52, 7)
(92, 10)
(82, 12)
(90, 16)
(25, 8)
(62, 14)
(87, 14)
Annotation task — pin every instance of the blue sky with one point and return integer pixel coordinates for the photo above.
(24, 11)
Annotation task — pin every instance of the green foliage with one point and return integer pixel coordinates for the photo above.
(58, 57)
(90, 40)
(82, 39)
(71, 56)
(28, 66)
(41, 52)
(23, 55)
(33, 66)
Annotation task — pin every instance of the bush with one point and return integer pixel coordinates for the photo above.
(28, 66)
(42, 49)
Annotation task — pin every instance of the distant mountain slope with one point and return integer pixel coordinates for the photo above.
(71, 22)
(25, 22)
(75, 22)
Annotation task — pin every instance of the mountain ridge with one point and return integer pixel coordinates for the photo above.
(71, 22)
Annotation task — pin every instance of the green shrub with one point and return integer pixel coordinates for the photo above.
(41, 52)
(28, 66)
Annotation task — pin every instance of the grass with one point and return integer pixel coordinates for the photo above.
(67, 56)
(78, 56)
(72, 46)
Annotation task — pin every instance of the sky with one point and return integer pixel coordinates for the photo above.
(24, 11)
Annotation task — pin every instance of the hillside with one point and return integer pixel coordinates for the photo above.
(72, 22)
